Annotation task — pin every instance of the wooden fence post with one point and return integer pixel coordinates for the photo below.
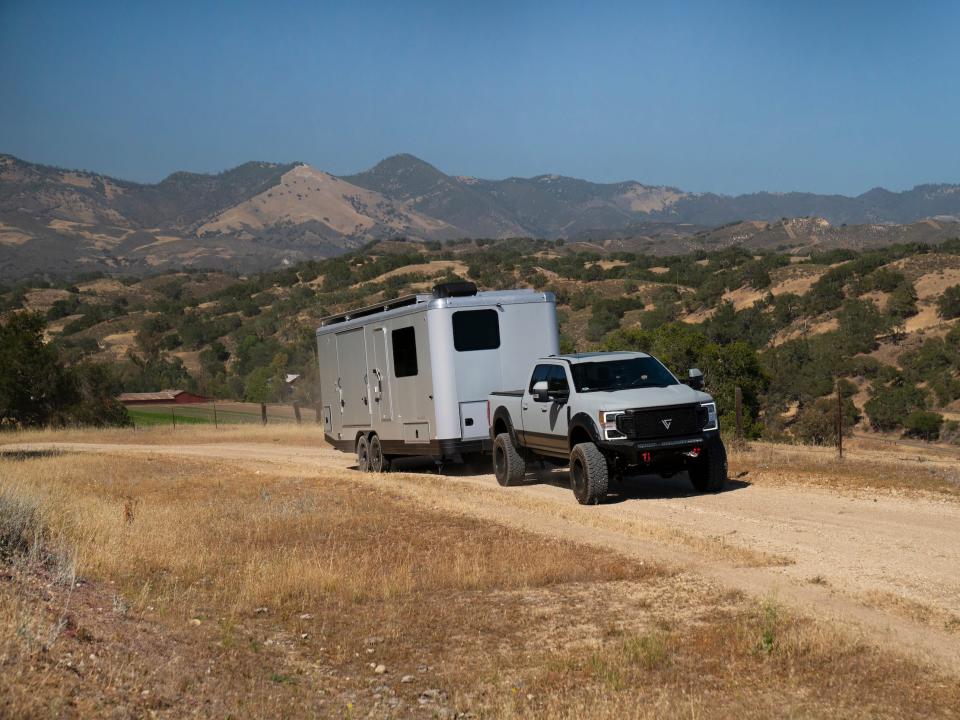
(839, 421)
(296, 411)
(215, 423)
(173, 417)
(263, 413)
(738, 404)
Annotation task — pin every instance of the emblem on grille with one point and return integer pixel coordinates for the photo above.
(666, 422)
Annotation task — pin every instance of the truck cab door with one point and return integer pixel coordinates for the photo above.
(545, 417)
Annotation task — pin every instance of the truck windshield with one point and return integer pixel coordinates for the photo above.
(643, 372)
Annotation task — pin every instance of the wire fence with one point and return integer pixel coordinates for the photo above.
(220, 413)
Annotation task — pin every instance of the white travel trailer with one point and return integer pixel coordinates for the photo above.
(411, 376)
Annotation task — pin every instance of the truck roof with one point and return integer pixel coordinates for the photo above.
(575, 358)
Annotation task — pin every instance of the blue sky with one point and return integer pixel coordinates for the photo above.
(725, 97)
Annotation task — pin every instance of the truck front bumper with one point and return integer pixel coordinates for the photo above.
(656, 452)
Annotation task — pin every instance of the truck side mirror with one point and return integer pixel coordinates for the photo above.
(539, 391)
(695, 379)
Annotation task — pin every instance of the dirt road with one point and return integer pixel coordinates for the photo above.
(884, 566)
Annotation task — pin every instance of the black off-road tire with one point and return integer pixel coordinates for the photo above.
(363, 454)
(708, 473)
(508, 464)
(589, 474)
(378, 461)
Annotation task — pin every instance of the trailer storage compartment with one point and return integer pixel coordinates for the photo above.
(473, 420)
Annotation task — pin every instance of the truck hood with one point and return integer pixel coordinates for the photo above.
(643, 398)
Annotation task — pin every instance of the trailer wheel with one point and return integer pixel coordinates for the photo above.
(508, 464)
(589, 474)
(708, 473)
(378, 461)
(363, 454)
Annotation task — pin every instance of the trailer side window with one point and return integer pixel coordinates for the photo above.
(404, 352)
(476, 330)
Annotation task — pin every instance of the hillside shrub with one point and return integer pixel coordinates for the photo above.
(816, 423)
(924, 425)
(890, 405)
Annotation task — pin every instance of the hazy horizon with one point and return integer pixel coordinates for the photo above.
(729, 99)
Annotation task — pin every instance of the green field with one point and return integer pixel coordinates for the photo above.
(228, 413)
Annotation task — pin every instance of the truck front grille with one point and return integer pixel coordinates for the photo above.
(662, 422)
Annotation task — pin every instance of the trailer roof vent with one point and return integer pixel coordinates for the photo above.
(454, 289)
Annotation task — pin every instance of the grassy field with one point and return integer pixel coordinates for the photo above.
(226, 413)
(154, 585)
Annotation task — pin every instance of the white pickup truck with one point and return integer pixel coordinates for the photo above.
(608, 414)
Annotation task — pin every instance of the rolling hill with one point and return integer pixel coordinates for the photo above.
(264, 215)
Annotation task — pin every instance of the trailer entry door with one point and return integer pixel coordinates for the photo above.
(380, 375)
(352, 361)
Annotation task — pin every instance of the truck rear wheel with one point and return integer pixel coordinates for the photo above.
(708, 473)
(508, 464)
(377, 460)
(363, 454)
(589, 474)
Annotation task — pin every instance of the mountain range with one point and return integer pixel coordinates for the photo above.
(261, 215)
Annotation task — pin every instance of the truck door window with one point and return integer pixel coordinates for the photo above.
(476, 330)
(540, 373)
(557, 381)
(404, 342)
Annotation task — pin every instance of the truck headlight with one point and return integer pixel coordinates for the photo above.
(712, 421)
(608, 424)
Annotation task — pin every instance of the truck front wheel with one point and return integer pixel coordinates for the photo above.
(589, 473)
(708, 473)
(508, 465)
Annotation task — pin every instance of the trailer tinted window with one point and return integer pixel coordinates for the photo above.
(404, 352)
(476, 330)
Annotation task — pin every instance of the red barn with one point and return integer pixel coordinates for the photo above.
(162, 397)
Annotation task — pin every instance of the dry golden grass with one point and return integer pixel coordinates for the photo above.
(308, 435)
(757, 662)
(211, 589)
(867, 465)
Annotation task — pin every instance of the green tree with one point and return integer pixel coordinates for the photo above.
(33, 385)
(37, 388)
(681, 347)
(948, 304)
(890, 405)
(860, 323)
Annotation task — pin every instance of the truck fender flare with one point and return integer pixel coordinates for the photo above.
(501, 413)
(583, 421)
